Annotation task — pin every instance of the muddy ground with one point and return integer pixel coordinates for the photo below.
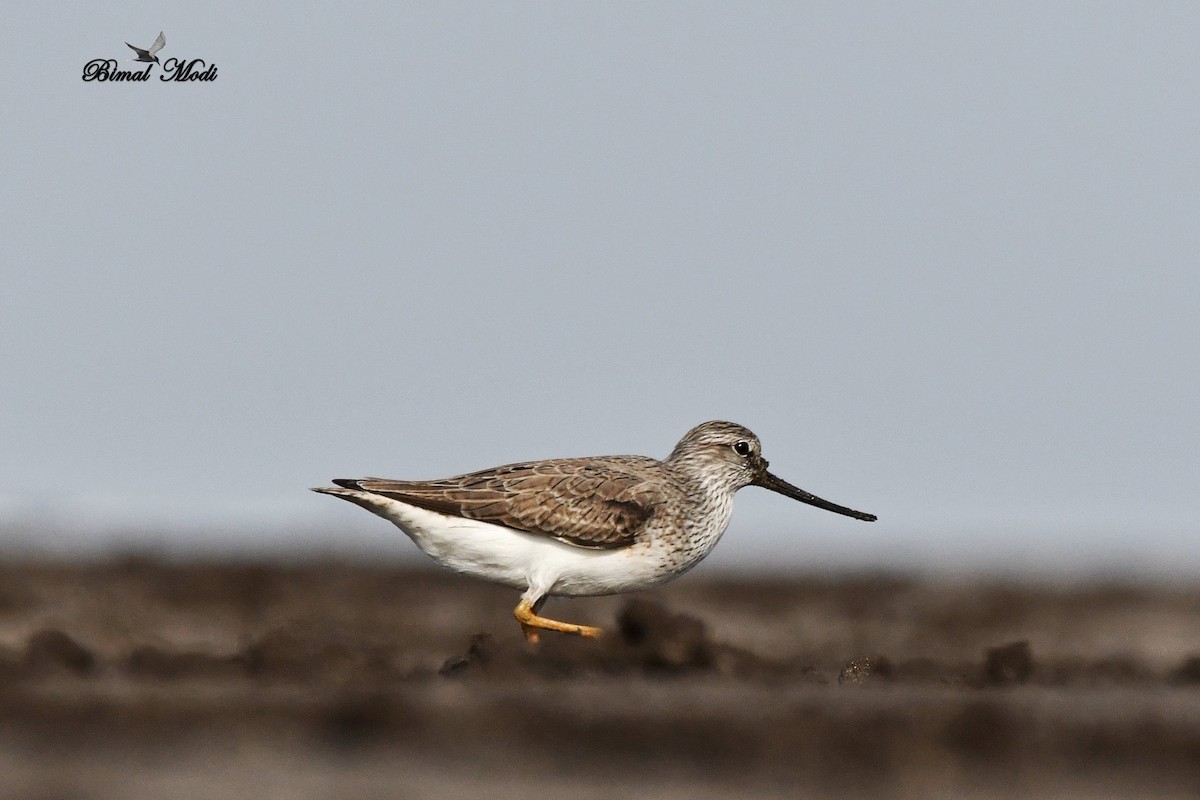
(138, 679)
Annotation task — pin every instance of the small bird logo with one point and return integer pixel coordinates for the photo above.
(149, 55)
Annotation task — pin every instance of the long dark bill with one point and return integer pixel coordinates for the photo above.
(769, 481)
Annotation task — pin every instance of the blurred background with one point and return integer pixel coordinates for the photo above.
(941, 259)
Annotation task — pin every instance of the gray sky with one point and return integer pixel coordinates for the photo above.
(940, 257)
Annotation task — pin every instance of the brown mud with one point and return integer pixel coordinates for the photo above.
(139, 679)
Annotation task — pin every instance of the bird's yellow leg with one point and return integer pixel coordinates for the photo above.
(531, 623)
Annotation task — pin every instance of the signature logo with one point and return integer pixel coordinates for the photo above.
(173, 69)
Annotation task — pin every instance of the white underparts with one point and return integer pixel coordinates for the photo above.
(535, 563)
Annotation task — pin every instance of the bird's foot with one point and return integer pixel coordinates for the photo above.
(532, 624)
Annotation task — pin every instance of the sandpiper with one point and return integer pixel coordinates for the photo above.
(581, 526)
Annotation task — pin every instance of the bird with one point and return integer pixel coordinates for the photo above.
(580, 527)
(149, 55)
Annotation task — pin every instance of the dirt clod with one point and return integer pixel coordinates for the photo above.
(1008, 664)
(663, 639)
(862, 671)
(153, 663)
(1188, 673)
(52, 649)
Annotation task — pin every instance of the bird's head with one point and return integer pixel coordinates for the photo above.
(730, 456)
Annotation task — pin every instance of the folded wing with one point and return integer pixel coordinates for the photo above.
(593, 503)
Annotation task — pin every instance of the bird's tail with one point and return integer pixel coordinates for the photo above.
(370, 502)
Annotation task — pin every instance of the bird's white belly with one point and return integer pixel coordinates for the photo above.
(524, 560)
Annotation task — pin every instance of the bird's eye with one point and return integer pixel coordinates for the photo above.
(742, 448)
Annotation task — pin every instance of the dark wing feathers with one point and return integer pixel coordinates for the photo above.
(588, 503)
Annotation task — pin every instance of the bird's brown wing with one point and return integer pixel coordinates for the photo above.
(596, 503)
